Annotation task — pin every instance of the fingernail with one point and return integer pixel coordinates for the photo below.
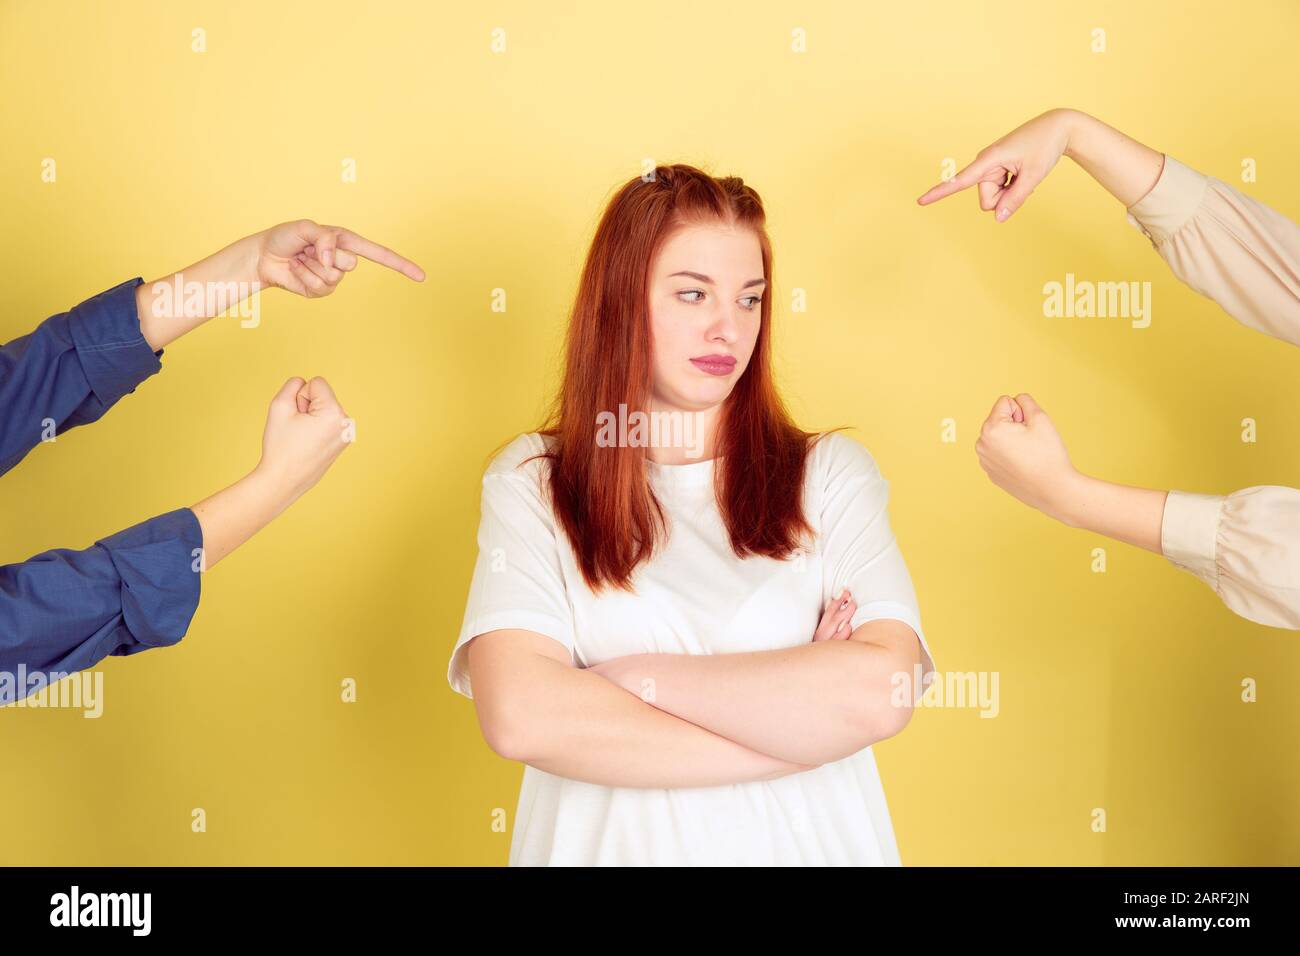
(1003, 213)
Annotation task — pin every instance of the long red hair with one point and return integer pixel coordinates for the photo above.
(601, 495)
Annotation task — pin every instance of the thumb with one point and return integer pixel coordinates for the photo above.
(319, 394)
(285, 396)
(1031, 407)
(1004, 410)
(326, 244)
(1016, 194)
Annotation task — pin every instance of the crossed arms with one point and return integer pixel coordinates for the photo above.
(712, 719)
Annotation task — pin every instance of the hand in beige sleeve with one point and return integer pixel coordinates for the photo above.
(1221, 242)
(1225, 245)
(1245, 546)
(1246, 257)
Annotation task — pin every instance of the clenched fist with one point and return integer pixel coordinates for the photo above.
(1024, 455)
(306, 429)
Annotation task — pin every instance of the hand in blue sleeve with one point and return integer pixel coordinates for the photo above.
(71, 370)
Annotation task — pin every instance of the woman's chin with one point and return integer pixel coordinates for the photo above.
(707, 395)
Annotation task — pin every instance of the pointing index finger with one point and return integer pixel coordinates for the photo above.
(373, 251)
(963, 180)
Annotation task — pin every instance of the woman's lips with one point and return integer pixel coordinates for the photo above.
(715, 364)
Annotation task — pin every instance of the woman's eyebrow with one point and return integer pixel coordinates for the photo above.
(704, 278)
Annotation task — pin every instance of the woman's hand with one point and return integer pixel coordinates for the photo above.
(300, 256)
(1026, 155)
(310, 259)
(306, 429)
(1125, 168)
(1023, 454)
(834, 625)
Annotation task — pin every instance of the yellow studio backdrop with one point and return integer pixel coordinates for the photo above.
(1118, 691)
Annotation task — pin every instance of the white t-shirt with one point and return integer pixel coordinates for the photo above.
(694, 597)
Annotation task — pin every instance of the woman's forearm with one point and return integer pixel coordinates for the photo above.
(1124, 167)
(1123, 512)
(223, 280)
(233, 515)
(576, 724)
(813, 703)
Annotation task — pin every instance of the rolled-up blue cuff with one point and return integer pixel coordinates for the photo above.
(113, 352)
(158, 561)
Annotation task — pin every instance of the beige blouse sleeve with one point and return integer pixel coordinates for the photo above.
(1245, 546)
(1246, 257)
(1227, 246)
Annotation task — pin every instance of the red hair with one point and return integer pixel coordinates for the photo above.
(601, 495)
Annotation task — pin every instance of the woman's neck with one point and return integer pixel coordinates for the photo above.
(680, 437)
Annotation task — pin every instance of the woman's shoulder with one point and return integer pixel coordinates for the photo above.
(523, 457)
(836, 456)
(843, 478)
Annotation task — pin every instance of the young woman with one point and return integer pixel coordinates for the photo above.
(691, 639)
(1229, 247)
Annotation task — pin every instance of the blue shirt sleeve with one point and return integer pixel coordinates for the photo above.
(64, 611)
(71, 370)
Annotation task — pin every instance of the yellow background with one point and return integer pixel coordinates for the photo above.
(1118, 690)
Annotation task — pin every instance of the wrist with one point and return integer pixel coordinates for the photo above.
(1068, 504)
(274, 486)
(248, 256)
(1073, 125)
(144, 314)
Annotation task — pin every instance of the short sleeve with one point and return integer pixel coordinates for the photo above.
(859, 551)
(518, 579)
(1245, 546)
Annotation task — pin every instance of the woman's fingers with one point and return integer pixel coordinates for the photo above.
(320, 395)
(1014, 196)
(373, 251)
(293, 280)
(843, 618)
(826, 626)
(835, 618)
(995, 192)
(312, 284)
(344, 261)
(989, 193)
(982, 168)
(329, 276)
(323, 248)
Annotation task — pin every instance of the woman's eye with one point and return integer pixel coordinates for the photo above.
(750, 302)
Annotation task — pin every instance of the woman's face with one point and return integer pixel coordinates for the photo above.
(706, 290)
